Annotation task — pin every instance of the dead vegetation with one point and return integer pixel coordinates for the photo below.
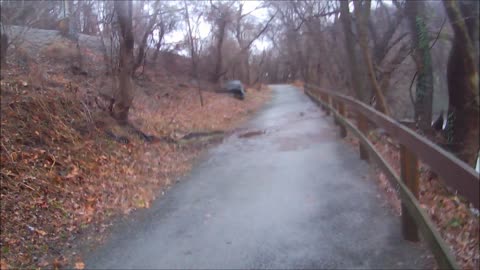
(59, 52)
(63, 178)
(68, 165)
(458, 224)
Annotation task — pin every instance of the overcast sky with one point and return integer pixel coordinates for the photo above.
(204, 28)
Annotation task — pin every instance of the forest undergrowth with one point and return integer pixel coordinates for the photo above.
(64, 177)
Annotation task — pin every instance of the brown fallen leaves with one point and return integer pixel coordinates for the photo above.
(79, 265)
(456, 223)
(62, 179)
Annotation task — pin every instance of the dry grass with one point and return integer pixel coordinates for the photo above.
(457, 223)
(181, 112)
(45, 175)
(60, 51)
(20, 54)
(61, 176)
(62, 179)
(458, 226)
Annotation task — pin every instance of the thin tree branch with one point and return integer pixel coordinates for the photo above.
(259, 33)
(410, 88)
(438, 34)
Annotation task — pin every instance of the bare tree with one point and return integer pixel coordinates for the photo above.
(147, 32)
(421, 53)
(246, 33)
(312, 15)
(350, 48)
(90, 21)
(166, 23)
(388, 41)
(220, 16)
(3, 48)
(124, 96)
(193, 50)
(362, 12)
(462, 76)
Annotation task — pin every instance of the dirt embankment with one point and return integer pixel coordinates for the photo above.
(63, 178)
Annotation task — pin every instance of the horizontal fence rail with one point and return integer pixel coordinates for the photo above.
(456, 173)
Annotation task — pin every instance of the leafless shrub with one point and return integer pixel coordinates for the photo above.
(60, 52)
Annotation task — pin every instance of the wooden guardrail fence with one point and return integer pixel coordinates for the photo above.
(413, 147)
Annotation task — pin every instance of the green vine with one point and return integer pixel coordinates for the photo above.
(423, 47)
(450, 127)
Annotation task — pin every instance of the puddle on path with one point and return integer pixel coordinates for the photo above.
(251, 133)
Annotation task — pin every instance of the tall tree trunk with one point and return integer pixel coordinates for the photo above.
(159, 43)
(362, 11)
(87, 18)
(193, 53)
(143, 44)
(246, 65)
(355, 77)
(217, 73)
(157, 51)
(3, 48)
(242, 62)
(420, 42)
(72, 21)
(124, 95)
(72, 33)
(462, 76)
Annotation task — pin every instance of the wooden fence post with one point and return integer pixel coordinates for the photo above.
(409, 174)
(363, 127)
(322, 98)
(335, 111)
(325, 100)
(329, 102)
(341, 111)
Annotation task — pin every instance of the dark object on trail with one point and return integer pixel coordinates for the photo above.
(236, 88)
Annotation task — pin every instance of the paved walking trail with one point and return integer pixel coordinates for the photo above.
(295, 196)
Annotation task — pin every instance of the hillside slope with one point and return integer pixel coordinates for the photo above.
(68, 169)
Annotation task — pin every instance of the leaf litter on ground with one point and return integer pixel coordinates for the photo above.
(63, 180)
(458, 225)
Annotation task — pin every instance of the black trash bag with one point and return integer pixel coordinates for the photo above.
(236, 88)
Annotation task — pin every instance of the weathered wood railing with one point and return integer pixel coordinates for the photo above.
(453, 171)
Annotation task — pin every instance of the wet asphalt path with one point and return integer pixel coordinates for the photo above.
(296, 196)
